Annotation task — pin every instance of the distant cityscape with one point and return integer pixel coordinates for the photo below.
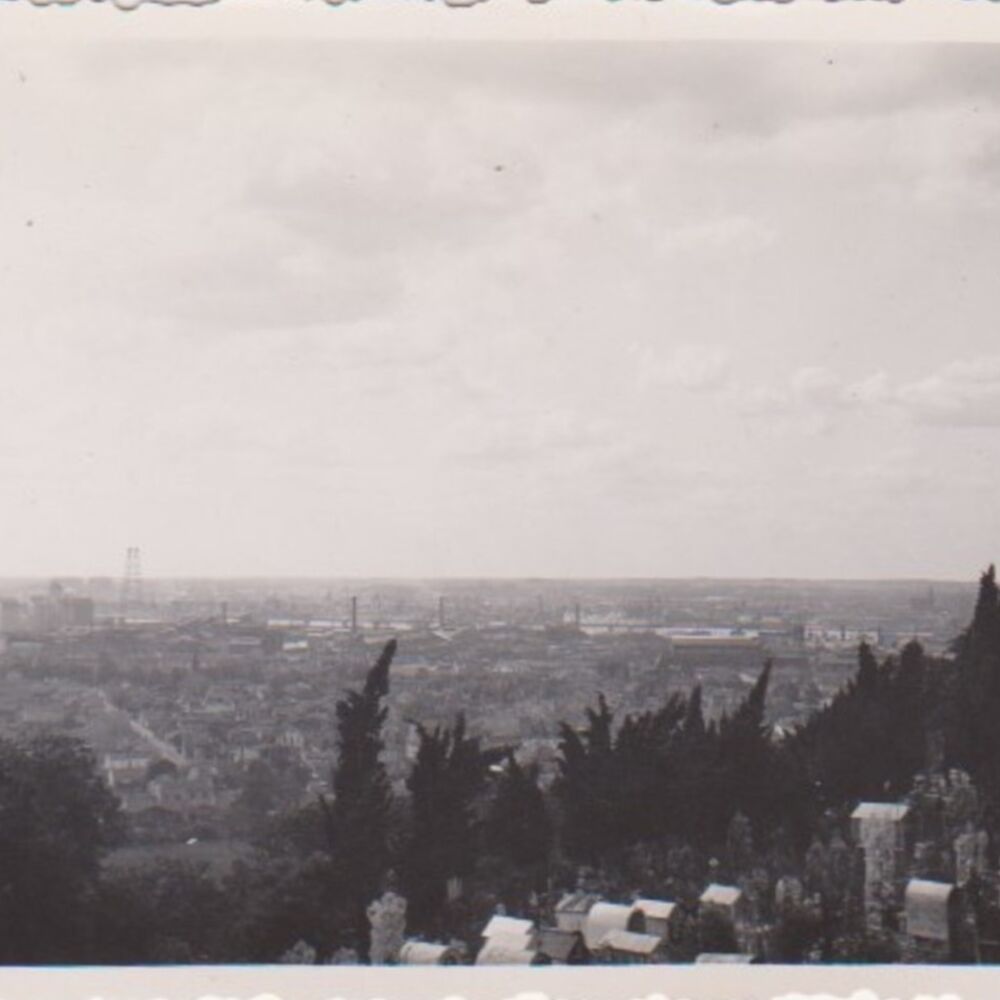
(178, 686)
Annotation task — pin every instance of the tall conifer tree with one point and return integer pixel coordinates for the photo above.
(518, 827)
(358, 819)
(977, 738)
(447, 778)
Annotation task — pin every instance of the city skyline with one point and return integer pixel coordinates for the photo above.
(687, 310)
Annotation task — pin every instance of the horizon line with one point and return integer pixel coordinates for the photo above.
(498, 578)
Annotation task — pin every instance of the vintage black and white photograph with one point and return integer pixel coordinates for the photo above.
(500, 503)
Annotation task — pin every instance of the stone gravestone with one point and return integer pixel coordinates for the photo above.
(301, 953)
(880, 829)
(387, 916)
(971, 855)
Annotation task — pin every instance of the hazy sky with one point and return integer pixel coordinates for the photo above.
(650, 310)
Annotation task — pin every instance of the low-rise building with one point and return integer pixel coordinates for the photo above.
(659, 917)
(571, 911)
(562, 947)
(603, 918)
(427, 953)
(621, 947)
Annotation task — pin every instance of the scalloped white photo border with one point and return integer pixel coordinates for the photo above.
(667, 982)
(826, 20)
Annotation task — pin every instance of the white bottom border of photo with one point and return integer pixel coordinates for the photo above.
(661, 982)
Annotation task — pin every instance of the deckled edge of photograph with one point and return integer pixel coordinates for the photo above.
(907, 21)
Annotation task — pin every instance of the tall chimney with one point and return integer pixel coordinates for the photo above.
(441, 623)
(354, 614)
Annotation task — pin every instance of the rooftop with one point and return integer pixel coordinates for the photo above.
(891, 811)
(630, 941)
(508, 927)
(655, 909)
(721, 895)
(918, 888)
(424, 953)
(504, 951)
(603, 918)
(577, 902)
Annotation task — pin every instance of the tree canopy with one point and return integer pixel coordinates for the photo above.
(57, 820)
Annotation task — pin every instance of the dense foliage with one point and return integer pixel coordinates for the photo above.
(56, 819)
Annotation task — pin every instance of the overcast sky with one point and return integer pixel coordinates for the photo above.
(631, 310)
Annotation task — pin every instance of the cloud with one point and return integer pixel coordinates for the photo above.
(528, 436)
(691, 367)
(269, 281)
(818, 387)
(961, 394)
(870, 390)
(811, 390)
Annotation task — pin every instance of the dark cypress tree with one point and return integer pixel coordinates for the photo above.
(739, 845)
(843, 745)
(909, 710)
(445, 784)
(358, 819)
(981, 636)
(646, 764)
(693, 774)
(665, 774)
(867, 676)
(694, 729)
(588, 786)
(976, 736)
(743, 757)
(518, 827)
(878, 732)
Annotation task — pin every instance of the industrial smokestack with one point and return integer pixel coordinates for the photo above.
(441, 620)
(354, 614)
